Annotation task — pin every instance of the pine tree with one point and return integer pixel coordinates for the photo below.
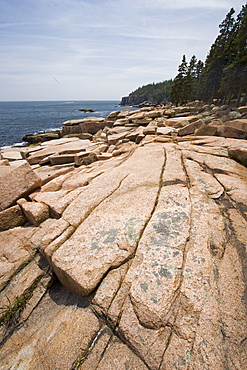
(199, 68)
(217, 60)
(190, 78)
(179, 90)
(241, 55)
(186, 83)
(193, 76)
(233, 83)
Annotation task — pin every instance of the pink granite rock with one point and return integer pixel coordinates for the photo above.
(12, 217)
(35, 212)
(155, 241)
(16, 182)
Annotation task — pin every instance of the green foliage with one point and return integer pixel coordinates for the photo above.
(186, 83)
(216, 60)
(179, 90)
(155, 92)
(222, 77)
(12, 311)
(82, 357)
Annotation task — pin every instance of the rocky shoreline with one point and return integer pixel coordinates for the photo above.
(123, 243)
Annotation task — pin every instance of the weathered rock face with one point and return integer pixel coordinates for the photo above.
(155, 239)
(35, 212)
(12, 217)
(148, 237)
(239, 154)
(38, 138)
(90, 125)
(68, 335)
(71, 146)
(16, 182)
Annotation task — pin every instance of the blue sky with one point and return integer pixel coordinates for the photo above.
(100, 49)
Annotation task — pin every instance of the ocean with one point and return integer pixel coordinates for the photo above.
(18, 119)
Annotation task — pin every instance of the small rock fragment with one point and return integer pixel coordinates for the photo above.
(35, 212)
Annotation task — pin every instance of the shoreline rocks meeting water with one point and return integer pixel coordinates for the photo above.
(123, 243)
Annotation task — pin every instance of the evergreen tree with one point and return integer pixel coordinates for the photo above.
(193, 76)
(233, 83)
(192, 69)
(179, 89)
(186, 83)
(241, 55)
(224, 75)
(217, 60)
(190, 78)
(199, 68)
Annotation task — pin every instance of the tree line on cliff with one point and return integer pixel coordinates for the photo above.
(223, 76)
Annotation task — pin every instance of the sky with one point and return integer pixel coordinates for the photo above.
(100, 49)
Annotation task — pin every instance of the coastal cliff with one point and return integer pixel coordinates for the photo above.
(149, 95)
(123, 243)
(133, 100)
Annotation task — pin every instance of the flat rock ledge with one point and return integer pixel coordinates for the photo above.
(134, 260)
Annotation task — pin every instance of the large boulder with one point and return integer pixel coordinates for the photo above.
(153, 113)
(16, 182)
(44, 136)
(178, 122)
(62, 146)
(190, 128)
(234, 115)
(12, 217)
(231, 132)
(85, 158)
(56, 159)
(120, 122)
(11, 154)
(35, 212)
(108, 240)
(206, 130)
(114, 138)
(240, 124)
(16, 249)
(239, 154)
(90, 125)
(113, 115)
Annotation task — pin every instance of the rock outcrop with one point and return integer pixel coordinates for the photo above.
(195, 118)
(148, 241)
(16, 182)
(90, 125)
(41, 137)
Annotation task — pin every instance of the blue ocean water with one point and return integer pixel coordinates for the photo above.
(20, 118)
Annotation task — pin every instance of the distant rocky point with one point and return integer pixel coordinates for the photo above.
(139, 101)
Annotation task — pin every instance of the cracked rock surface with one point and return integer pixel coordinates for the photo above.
(150, 251)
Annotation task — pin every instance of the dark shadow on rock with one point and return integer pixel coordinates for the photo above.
(63, 296)
(43, 263)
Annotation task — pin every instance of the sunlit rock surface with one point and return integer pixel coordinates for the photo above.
(150, 250)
